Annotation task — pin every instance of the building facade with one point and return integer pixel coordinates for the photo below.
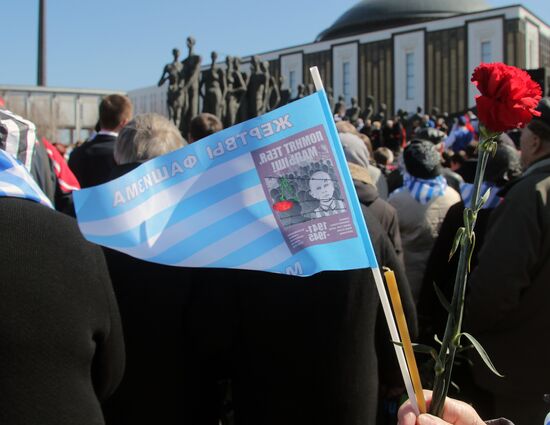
(60, 114)
(407, 53)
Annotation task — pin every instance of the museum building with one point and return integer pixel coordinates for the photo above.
(407, 53)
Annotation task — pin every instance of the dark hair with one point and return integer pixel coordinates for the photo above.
(113, 110)
(458, 158)
(540, 129)
(203, 125)
(471, 150)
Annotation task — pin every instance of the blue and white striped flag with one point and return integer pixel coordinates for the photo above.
(272, 194)
(467, 191)
(16, 182)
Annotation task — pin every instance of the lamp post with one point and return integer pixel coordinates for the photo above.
(41, 71)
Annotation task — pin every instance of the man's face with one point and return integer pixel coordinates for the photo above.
(526, 145)
(321, 186)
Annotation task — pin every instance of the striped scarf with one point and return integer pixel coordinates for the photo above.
(423, 190)
(17, 137)
(16, 182)
(467, 191)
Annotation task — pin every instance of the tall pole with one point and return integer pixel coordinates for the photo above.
(41, 71)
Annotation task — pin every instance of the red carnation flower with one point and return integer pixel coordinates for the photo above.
(283, 206)
(508, 96)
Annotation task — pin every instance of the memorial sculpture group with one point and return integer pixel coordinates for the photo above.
(234, 96)
(230, 94)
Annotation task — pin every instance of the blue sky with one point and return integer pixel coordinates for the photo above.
(124, 44)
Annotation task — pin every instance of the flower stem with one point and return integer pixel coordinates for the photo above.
(451, 339)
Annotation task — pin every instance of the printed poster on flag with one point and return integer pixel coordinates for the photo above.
(272, 194)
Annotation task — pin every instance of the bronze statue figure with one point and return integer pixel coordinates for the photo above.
(274, 94)
(189, 82)
(264, 66)
(257, 87)
(235, 88)
(214, 87)
(174, 98)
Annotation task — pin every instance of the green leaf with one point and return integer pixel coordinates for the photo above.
(469, 218)
(472, 246)
(456, 242)
(467, 222)
(483, 354)
(446, 305)
(483, 199)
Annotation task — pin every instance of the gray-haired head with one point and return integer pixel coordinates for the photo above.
(145, 137)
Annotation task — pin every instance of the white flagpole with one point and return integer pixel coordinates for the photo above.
(383, 297)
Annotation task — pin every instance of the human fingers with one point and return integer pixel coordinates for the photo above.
(406, 414)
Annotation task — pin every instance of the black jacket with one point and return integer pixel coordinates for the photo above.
(93, 161)
(61, 346)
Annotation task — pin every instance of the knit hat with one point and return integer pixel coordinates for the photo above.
(422, 160)
(429, 134)
(504, 166)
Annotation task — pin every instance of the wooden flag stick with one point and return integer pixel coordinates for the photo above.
(379, 284)
(405, 338)
(395, 337)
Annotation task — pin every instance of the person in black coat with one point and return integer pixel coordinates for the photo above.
(291, 350)
(61, 345)
(93, 161)
(296, 350)
(153, 301)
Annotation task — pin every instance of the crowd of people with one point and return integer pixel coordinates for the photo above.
(92, 335)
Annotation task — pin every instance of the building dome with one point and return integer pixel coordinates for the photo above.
(374, 15)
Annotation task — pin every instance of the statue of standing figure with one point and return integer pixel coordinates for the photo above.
(189, 83)
(174, 98)
(264, 66)
(284, 92)
(257, 89)
(214, 87)
(273, 95)
(242, 112)
(235, 88)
